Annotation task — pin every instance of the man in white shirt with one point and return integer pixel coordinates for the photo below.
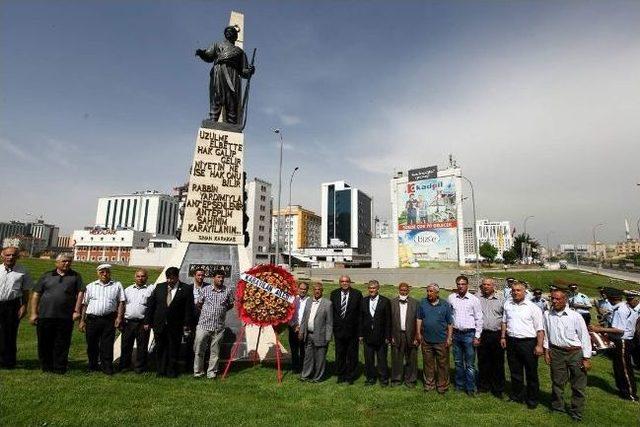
(467, 328)
(522, 336)
(102, 313)
(621, 333)
(15, 284)
(133, 331)
(568, 351)
(297, 346)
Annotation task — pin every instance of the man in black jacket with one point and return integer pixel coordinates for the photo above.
(375, 334)
(170, 312)
(346, 315)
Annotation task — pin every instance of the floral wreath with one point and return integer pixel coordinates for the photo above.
(265, 295)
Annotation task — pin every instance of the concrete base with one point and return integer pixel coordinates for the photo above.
(235, 256)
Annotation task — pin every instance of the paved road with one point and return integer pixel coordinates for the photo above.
(616, 274)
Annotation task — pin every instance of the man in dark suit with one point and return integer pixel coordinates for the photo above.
(346, 316)
(375, 333)
(404, 344)
(315, 331)
(170, 312)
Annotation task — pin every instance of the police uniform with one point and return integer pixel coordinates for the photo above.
(623, 318)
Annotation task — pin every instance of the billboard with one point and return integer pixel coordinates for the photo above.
(427, 221)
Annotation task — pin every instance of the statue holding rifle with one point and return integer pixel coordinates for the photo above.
(230, 66)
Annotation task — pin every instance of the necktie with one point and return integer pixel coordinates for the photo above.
(343, 305)
(402, 301)
(169, 297)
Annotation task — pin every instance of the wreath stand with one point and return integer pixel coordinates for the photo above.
(236, 346)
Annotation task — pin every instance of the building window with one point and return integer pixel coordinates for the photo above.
(260, 238)
(261, 217)
(262, 208)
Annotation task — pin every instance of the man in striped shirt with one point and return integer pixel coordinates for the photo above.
(133, 331)
(102, 313)
(214, 302)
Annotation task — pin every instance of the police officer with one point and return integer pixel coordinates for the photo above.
(580, 303)
(621, 334)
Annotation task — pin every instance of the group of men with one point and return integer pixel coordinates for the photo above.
(488, 325)
(176, 312)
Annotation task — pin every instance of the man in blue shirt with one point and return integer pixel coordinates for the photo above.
(435, 329)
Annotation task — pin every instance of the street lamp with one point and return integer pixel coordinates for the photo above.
(279, 132)
(524, 244)
(475, 229)
(290, 228)
(595, 248)
(548, 246)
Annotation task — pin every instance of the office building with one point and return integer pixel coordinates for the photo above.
(346, 214)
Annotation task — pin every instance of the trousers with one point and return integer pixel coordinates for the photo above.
(54, 340)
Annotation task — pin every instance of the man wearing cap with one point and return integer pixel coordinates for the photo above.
(102, 313)
(539, 300)
(633, 299)
(15, 283)
(56, 302)
(170, 312)
(621, 333)
(568, 352)
(133, 331)
(522, 334)
(603, 308)
(580, 303)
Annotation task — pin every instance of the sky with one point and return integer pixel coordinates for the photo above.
(539, 102)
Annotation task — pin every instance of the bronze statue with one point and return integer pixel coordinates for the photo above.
(230, 65)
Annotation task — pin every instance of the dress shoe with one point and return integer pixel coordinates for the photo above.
(340, 380)
(497, 395)
(532, 405)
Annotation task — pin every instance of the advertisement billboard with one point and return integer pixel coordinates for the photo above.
(427, 221)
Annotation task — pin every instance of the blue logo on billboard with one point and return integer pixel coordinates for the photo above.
(426, 238)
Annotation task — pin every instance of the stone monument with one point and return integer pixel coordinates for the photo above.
(212, 228)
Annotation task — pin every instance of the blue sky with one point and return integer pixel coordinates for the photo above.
(538, 101)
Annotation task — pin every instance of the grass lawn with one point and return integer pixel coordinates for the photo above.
(251, 395)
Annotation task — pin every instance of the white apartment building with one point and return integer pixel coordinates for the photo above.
(146, 211)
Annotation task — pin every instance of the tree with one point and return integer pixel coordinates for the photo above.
(509, 256)
(488, 251)
(525, 238)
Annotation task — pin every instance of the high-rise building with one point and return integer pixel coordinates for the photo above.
(298, 225)
(346, 217)
(146, 211)
(44, 235)
(259, 226)
(64, 242)
(468, 237)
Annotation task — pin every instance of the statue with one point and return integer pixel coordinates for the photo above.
(230, 65)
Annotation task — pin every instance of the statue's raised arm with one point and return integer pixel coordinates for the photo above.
(230, 66)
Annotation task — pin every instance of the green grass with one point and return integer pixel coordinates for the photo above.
(251, 395)
(588, 283)
(36, 267)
